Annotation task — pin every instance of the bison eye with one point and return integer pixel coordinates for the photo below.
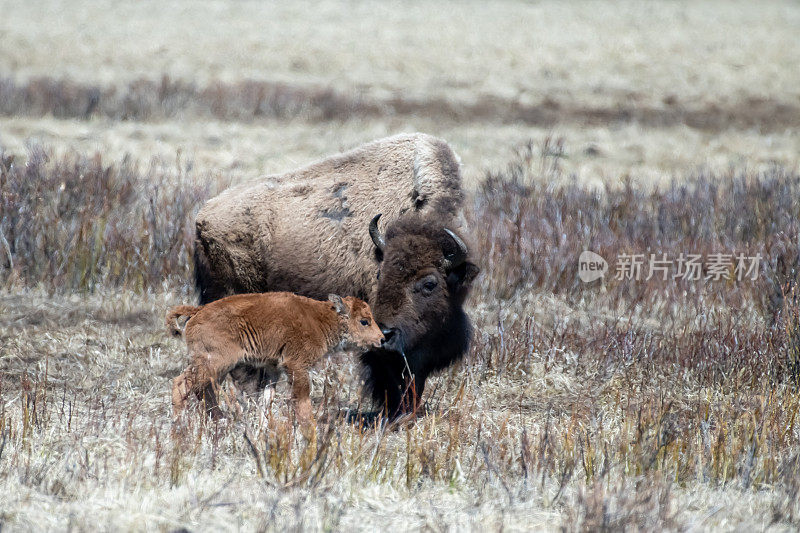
(426, 285)
(364, 322)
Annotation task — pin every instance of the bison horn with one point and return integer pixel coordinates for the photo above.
(375, 233)
(453, 260)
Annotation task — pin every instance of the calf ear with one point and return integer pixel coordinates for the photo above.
(338, 304)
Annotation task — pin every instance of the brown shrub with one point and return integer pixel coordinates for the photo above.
(70, 223)
(531, 228)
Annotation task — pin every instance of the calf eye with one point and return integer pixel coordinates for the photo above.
(429, 286)
(364, 322)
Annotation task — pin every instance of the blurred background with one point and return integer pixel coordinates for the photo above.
(650, 90)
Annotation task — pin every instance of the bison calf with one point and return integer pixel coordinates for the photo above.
(279, 331)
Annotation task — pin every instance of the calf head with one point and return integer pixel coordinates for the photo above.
(359, 329)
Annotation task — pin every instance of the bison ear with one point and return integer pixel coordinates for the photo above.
(339, 305)
(460, 278)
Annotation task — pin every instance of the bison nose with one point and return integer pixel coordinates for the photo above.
(389, 337)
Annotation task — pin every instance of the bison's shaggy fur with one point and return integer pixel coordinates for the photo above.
(304, 231)
(274, 331)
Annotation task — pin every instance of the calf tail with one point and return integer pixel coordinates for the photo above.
(175, 313)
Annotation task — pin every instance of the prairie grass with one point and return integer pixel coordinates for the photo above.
(620, 404)
(652, 91)
(598, 53)
(625, 404)
(534, 226)
(72, 223)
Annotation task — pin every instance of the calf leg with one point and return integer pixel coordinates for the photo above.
(202, 381)
(181, 387)
(301, 389)
(208, 395)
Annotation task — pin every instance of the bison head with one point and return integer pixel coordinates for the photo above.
(424, 276)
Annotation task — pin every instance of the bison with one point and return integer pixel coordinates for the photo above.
(276, 332)
(309, 232)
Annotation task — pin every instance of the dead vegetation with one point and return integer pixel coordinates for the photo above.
(167, 98)
(641, 405)
(635, 405)
(653, 91)
(72, 223)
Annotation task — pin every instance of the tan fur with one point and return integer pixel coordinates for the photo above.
(279, 330)
(306, 231)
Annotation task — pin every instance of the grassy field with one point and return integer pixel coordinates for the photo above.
(617, 127)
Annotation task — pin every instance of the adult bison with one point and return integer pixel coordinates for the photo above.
(313, 231)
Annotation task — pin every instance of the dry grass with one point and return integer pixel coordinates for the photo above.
(653, 405)
(249, 100)
(650, 405)
(652, 91)
(73, 223)
(595, 155)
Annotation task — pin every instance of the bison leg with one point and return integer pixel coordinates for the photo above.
(252, 380)
(412, 395)
(389, 382)
(249, 382)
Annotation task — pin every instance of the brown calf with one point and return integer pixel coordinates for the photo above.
(278, 330)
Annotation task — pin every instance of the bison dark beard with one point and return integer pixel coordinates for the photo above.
(396, 383)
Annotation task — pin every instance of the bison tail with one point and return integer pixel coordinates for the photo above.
(175, 313)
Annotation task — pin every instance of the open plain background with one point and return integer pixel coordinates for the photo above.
(618, 126)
